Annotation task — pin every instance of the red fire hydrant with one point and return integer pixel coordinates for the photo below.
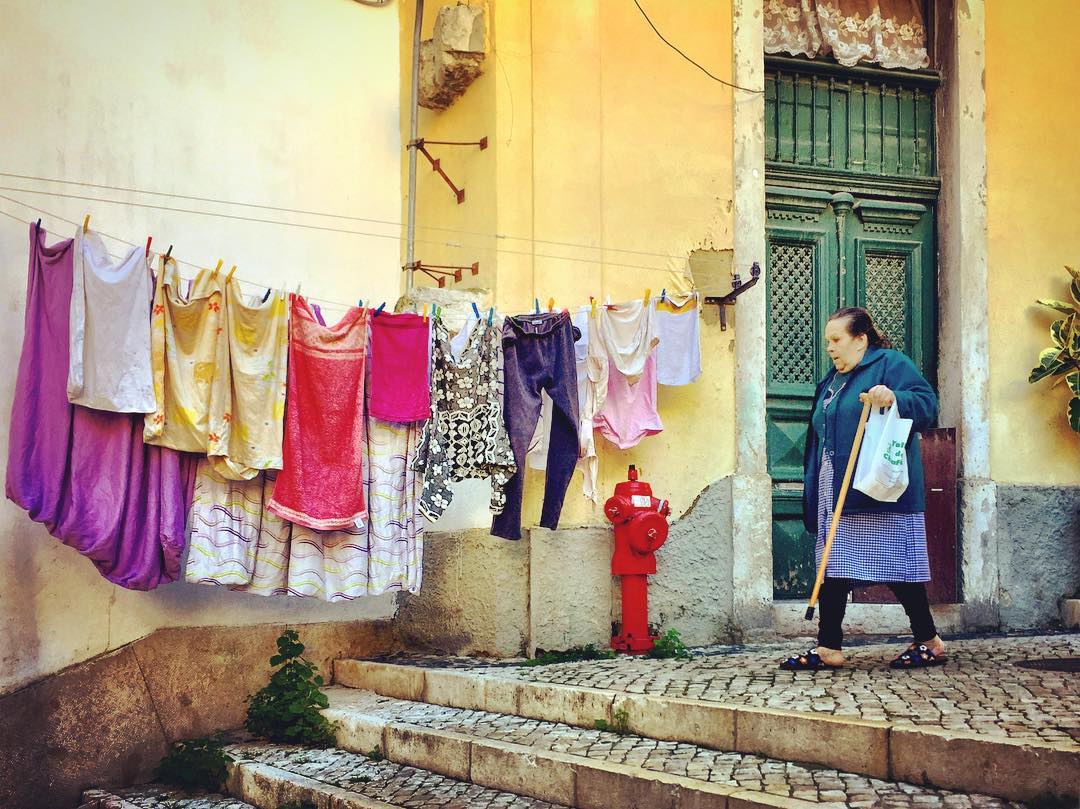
(641, 527)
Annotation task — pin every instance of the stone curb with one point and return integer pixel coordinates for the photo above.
(103, 799)
(269, 787)
(967, 762)
(546, 775)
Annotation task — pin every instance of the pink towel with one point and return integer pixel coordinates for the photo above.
(399, 390)
(321, 484)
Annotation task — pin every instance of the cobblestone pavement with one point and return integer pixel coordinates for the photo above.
(156, 796)
(753, 772)
(980, 689)
(384, 780)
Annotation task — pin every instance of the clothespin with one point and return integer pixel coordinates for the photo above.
(360, 303)
(663, 294)
(648, 295)
(86, 223)
(228, 277)
(168, 254)
(491, 314)
(217, 269)
(38, 225)
(425, 313)
(592, 303)
(266, 297)
(381, 307)
(536, 303)
(551, 304)
(476, 310)
(148, 240)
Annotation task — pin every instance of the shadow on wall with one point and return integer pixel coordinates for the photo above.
(108, 721)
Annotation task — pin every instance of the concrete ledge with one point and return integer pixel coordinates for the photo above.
(453, 688)
(845, 743)
(502, 766)
(438, 751)
(269, 787)
(399, 682)
(746, 799)
(564, 703)
(1016, 770)
(707, 724)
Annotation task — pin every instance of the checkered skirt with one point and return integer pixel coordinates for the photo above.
(880, 547)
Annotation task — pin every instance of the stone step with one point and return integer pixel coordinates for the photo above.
(1014, 769)
(271, 776)
(594, 769)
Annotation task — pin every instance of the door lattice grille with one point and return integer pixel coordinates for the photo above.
(791, 341)
(887, 295)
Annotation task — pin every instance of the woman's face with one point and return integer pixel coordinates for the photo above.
(844, 350)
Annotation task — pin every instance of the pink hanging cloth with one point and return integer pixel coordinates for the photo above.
(321, 485)
(400, 349)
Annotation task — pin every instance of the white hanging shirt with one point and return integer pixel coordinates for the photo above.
(678, 357)
(628, 332)
(109, 329)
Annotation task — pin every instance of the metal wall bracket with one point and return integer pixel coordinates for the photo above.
(737, 289)
(420, 144)
(440, 272)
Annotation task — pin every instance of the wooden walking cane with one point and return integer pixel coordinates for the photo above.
(839, 505)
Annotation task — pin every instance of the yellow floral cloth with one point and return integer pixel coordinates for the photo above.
(253, 416)
(190, 359)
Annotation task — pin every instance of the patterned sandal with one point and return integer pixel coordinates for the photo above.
(918, 656)
(809, 660)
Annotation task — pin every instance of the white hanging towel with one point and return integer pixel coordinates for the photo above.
(678, 325)
(109, 366)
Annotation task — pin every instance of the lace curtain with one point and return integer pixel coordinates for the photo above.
(889, 32)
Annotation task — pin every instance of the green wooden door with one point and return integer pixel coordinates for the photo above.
(826, 251)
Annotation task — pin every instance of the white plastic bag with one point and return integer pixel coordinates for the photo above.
(881, 471)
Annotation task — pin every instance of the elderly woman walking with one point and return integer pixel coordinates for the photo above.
(876, 542)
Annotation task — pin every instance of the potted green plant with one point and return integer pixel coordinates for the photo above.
(1062, 359)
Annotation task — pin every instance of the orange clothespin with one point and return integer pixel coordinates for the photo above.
(551, 304)
(424, 315)
(217, 269)
(228, 277)
(86, 223)
(148, 240)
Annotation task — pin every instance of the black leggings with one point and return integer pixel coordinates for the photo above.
(832, 603)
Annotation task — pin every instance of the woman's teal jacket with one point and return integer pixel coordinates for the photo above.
(915, 399)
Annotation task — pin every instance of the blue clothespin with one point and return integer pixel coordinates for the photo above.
(491, 314)
(381, 307)
(536, 302)
(663, 294)
(476, 311)
(360, 303)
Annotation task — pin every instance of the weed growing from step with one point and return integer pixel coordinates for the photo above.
(669, 645)
(196, 764)
(572, 655)
(374, 754)
(620, 723)
(289, 708)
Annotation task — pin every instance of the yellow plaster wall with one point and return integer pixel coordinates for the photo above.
(610, 163)
(280, 103)
(1034, 228)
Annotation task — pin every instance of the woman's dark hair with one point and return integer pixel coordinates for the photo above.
(859, 322)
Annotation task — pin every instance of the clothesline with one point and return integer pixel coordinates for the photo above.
(396, 237)
(538, 305)
(328, 215)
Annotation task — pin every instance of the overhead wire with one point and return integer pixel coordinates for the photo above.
(677, 50)
(347, 217)
(193, 266)
(326, 228)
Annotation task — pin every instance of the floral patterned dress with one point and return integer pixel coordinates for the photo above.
(466, 436)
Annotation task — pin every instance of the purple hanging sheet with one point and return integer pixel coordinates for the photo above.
(86, 474)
